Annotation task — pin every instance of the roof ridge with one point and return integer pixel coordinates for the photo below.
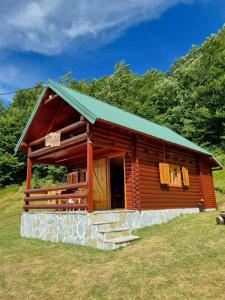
(132, 114)
(128, 112)
(93, 108)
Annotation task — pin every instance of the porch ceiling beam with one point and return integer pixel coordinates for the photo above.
(75, 157)
(56, 157)
(96, 154)
(72, 158)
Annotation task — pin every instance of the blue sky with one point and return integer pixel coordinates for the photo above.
(47, 38)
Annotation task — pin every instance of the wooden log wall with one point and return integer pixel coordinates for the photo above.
(207, 185)
(152, 194)
(130, 196)
(117, 140)
(143, 155)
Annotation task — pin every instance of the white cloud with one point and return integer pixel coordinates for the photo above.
(50, 26)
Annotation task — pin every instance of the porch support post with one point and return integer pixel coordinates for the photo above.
(29, 174)
(90, 171)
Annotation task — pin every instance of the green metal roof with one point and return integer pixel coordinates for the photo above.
(93, 109)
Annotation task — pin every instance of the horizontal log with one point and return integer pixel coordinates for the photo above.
(65, 143)
(112, 137)
(114, 132)
(169, 148)
(169, 190)
(170, 195)
(62, 130)
(55, 197)
(56, 206)
(109, 145)
(56, 188)
(148, 153)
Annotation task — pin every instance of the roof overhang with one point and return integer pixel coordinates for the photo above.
(91, 117)
(66, 97)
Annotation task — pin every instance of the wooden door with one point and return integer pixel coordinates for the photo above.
(100, 186)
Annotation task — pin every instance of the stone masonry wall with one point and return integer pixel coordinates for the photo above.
(76, 227)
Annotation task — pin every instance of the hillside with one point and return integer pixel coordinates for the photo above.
(189, 98)
(182, 259)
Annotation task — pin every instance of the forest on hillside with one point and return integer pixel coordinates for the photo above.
(189, 98)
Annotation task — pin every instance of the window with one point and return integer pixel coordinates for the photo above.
(173, 175)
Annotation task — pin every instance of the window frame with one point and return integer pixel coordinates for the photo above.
(179, 176)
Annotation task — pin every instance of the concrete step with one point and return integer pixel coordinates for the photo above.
(115, 243)
(113, 230)
(104, 222)
(123, 239)
(108, 234)
(107, 225)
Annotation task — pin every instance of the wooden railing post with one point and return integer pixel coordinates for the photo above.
(29, 174)
(90, 172)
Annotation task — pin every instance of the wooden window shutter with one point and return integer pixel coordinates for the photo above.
(164, 172)
(185, 176)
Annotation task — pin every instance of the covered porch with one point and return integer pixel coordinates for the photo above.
(95, 172)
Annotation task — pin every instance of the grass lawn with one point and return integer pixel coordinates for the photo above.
(182, 259)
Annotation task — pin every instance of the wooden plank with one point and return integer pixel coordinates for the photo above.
(100, 195)
(56, 188)
(55, 206)
(61, 196)
(207, 185)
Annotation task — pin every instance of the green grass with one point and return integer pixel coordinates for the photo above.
(183, 259)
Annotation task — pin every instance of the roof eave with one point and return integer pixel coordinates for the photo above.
(76, 105)
(66, 97)
(30, 119)
(207, 154)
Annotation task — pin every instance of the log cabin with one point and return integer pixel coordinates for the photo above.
(116, 162)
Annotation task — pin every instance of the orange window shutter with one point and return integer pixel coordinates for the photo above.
(164, 172)
(185, 176)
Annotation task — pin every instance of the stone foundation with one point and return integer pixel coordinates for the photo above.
(85, 228)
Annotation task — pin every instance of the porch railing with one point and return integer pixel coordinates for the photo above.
(66, 197)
